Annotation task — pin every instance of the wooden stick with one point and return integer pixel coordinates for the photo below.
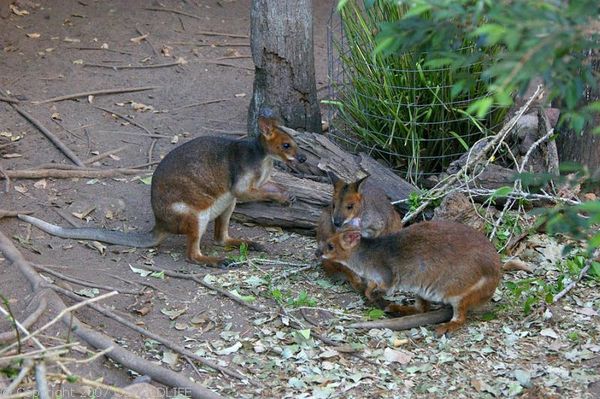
(407, 322)
(227, 64)
(125, 118)
(103, 49)
(199, 44)
(12, 214)
(151, 135)
(40, 309)
(67, 174)
(147, 39)
(218, 100)
(103, 155)
(206, 33)
(117, 67)
(9, 100)
(50, 136)
(94, 93)
(83, 282)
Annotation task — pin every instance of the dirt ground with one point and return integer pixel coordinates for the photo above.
(44, 54)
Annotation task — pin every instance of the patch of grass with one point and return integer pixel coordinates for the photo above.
(375, 314)
(285, 298)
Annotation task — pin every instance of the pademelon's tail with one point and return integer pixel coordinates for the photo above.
(132, 239)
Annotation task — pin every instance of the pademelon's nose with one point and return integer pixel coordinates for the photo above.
(301, 158)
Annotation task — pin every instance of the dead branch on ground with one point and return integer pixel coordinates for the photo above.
(407, 322)
(95, 93)
(125, 118)
(68, 174)
(117, 67)
(99, 340)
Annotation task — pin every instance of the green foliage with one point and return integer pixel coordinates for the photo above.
(408, 107)
(302, 299)
(533, 291)
(375, 314)
(549, 39)
(508, 227)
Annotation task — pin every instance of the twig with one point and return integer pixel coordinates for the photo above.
(227, 64)
(100, 341)
(233, 57)
(95, 93)
(151, 135)
(203, 283)
(166, 342)
(218, 100)
(199, 44)
(7, 182)
(407, 322)
(125, 118)
(91, 383)
(296, 271)
(103, 155)
(50, 136)
(117, 67)
(59, 316)
(83, 282)
(437, 191)
(151, 150)
(103, 49)
(582, 273)
(28, 322)
(40, 380)
(174, 11)
(27, 365)
(67, 174)
(9, 100)
(147, 39)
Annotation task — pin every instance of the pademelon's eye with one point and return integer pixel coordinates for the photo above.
(330, 246)
(286, 145)
(350, 207)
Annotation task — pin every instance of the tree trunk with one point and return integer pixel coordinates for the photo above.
(282, 50)
(584, 149)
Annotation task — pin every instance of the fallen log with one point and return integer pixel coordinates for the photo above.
(311, 196)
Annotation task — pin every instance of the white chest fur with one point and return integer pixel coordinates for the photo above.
(255, 178)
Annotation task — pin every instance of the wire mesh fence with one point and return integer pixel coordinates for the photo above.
(395, 107)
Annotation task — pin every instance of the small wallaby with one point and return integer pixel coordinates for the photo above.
(201, 181)
(438, 261)
(359, 205)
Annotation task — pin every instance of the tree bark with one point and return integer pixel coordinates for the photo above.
(584, 148)
(282, 49)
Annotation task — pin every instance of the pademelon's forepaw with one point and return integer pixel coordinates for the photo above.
(227, 264)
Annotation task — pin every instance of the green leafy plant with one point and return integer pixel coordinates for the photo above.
(406, 106)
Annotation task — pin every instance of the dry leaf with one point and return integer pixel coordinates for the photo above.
(71, 40)
(239, 95)
(18, 12)
(90, 99)
(21, 189)
(13, 155)
(34, 35)
(401, 357)
(181, 61)
(175, 139)
(104, 46)
(139, 39)
(78, 62)
(56, 116)
(85, 213)
(166, 51)
(41, 184)
(141, 107)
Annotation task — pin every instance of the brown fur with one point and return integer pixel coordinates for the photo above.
(358, 204)
(206, 176)
(438, 261)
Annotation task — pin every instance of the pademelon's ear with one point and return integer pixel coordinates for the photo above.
(360, 182)
(333, 177)
(266, 126)
(350, 238)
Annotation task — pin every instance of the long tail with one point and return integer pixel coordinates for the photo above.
(516, 264)
(132, 239)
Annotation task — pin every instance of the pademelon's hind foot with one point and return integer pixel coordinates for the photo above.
(449, 327)
(213, 261)
(252, 245)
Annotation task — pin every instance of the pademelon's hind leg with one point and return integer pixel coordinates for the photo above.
(193, 225)
(222, 231)
(476, 295)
